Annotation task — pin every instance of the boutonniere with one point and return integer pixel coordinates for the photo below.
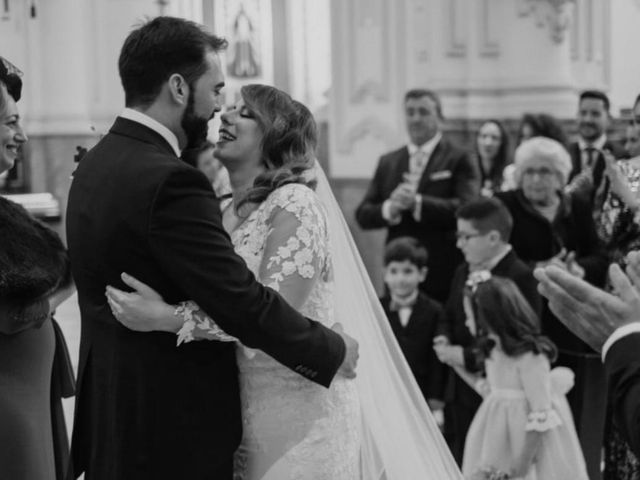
(81, 151)
(476, 278)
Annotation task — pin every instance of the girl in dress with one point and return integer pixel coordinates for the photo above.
(524, 426)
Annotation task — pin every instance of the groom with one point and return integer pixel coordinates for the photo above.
(147, 409)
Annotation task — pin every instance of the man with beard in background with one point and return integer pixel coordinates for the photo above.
(593, 121)
(146, 409)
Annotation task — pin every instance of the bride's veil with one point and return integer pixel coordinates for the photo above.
(400, 437)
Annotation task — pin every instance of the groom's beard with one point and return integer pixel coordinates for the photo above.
(195, 128)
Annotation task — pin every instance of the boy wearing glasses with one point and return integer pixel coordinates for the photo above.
(483, 231)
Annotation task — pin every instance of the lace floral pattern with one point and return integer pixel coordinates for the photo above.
(196, 320)
(292, 427)
(309, 242)
(542, 421)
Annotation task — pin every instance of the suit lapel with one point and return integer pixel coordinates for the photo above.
(417, 311)
(576, 158)
(401, 167)
(394, 319)
(436, 162)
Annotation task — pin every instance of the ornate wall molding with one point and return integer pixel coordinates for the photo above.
(419, 17)
(553, 14)
(574, 40)
(488, 46)
(455, 22)
(368, 48)
(369, 126)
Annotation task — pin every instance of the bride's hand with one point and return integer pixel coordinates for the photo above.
(142, 310)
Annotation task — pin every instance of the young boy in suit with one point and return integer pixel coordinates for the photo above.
(483, 231)
(414, 316)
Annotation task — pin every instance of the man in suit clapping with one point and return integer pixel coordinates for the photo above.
(417, 188)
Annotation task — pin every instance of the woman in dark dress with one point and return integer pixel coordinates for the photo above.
(550, 227)
(33, 268)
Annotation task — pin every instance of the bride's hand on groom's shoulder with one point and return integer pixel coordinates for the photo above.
(350, 362)
(143, 309)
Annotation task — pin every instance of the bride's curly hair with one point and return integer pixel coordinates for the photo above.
(290, 137)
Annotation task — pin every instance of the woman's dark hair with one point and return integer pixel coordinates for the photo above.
(502, 158)
(543, 125)
(500, 308)
(10, 82)
(191, 155)
(288, 144)
(158, 49)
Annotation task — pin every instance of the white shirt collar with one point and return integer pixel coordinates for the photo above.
(147, 121)
(428, 147)
(598, 144)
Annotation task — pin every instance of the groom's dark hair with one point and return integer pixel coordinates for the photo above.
(158, 49)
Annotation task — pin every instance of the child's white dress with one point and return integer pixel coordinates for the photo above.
(524, 395)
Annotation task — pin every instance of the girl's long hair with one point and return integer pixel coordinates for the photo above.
(500, 308)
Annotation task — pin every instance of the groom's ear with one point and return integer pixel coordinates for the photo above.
(178, 89)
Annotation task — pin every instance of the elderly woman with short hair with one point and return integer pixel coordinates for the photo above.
(549, 227)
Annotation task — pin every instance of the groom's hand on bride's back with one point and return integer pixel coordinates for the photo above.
(350, 362)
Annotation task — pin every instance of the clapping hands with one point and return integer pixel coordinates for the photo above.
(593, 314)
(404, 195)
(564, 261)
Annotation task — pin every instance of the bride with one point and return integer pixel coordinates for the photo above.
(296, 241)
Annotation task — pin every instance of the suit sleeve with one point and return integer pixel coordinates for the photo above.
(439, 211)
(622, 365)
(186, 237)
(369, 212)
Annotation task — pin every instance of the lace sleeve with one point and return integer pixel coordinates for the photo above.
(197, 325)
(295, 256)
(296, 247)
(536, 380)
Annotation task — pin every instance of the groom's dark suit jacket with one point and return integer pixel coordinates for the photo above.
(147, 409)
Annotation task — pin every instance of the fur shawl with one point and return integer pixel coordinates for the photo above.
(33, 260)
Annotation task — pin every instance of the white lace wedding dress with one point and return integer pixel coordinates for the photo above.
(292, 427)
